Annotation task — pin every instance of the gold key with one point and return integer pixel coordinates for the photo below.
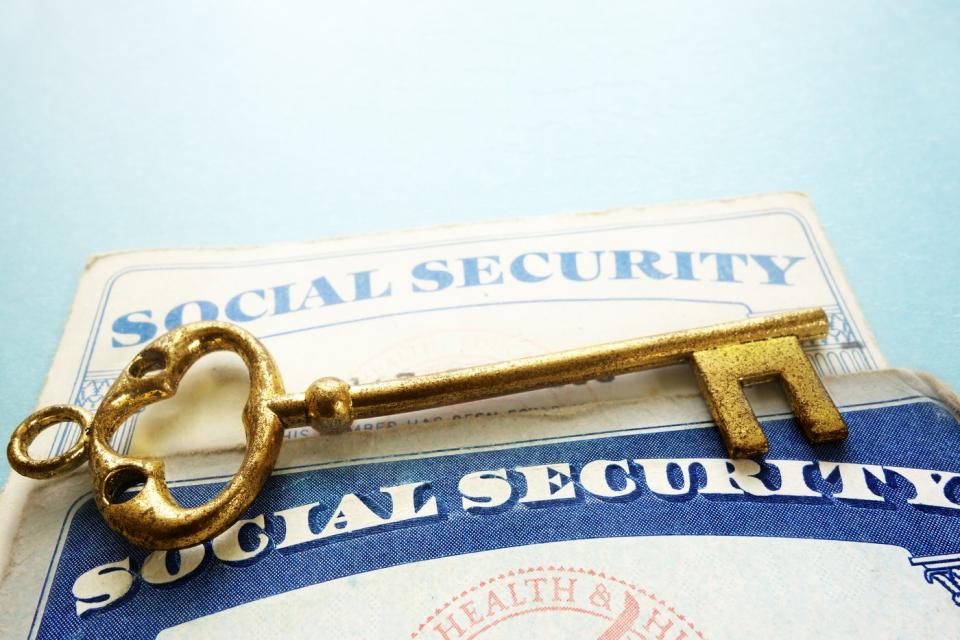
(724, 358)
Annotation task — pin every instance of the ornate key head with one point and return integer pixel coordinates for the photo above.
(152, 518)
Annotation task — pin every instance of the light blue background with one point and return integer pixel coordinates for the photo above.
(129, 125)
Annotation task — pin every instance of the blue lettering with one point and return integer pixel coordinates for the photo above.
(127, 326)
(725, 265)
(569, 266)
(208, 311)
(235, 313)
(321, 288)
(684, 265)
(626, 263)
(519, 269)
(775, 273)
(473, 270)
(423, 272)
(363, 288)
(281, 299)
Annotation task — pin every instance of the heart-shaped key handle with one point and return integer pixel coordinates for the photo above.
(152, 518)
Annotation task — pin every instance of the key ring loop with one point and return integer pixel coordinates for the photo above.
(27, 431)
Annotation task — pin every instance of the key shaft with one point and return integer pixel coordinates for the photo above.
(430, 391)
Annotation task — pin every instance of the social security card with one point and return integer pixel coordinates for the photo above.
(393, 305)
(619, 520)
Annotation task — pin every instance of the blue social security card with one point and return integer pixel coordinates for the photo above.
(617, 521)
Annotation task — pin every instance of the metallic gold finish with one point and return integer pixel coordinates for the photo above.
(724, 358)
(152, 518)
(723, 372)
(27, 431)
(574, 365)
